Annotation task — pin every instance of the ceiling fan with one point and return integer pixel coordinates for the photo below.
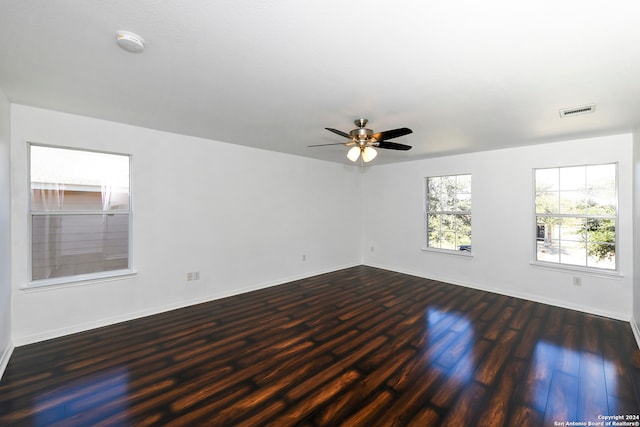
(363, 141)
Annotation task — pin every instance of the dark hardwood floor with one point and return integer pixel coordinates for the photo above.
(360, 346)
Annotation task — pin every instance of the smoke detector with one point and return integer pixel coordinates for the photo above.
(129, 41)
(576, 111)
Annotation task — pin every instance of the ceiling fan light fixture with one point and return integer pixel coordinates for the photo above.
(353, 153)
(368, 154)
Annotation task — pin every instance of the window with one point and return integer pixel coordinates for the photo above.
(448, 212)
(576, 215)
(80, 213)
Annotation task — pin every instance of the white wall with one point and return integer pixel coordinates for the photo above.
(502, 224)
(244, 217)
(6, 345)
(635, 321)
(240, 216)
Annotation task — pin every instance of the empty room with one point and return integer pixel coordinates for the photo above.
(319, 213)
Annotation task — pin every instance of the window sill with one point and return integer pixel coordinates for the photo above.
(463, 254)
(610, 274)
(80, 280)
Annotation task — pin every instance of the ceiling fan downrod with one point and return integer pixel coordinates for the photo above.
(361, 123)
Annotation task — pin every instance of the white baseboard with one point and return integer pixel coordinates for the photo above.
(521, 295)
(56, 333)
(4, 359)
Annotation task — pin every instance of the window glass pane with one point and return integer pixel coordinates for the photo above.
(548, 202)
(601, 235)
(572, 202)
(74, 180)
(548, 252)
(433, 194)
(602, 255)
(434, 202)
(601, 230)
(448, 222)
(573, 253)
(448, 193)
(67, 245)
(463, 230)
(464, 202)
(448, 240)
(434, 239)
(601, 177)
(547, 179)
(464, 184)
(433, 222)
(448, 183)
(601, 202)
(572, 229)
(433, 185)
(433, 231)
(573, 178)
(547, 239)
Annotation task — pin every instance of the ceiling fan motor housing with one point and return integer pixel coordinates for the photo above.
(361, 136)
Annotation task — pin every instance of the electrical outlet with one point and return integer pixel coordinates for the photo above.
(371, 248)
(196, 275)
(189, 276)
(304, 257)
(577, 281)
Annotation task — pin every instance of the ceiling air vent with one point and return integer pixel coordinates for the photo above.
(576, 111)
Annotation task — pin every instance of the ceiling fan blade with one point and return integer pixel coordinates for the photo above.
(339, 132)
(335, 143)
(388, 134)
(393, 146)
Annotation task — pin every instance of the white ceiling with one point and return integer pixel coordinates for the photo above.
(464, 75)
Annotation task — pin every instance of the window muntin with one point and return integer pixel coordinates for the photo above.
(80, 214)
(576, 215)
(448, 212)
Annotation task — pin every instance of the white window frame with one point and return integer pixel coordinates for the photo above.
(77, 279)
(427, 211)
(597, 271)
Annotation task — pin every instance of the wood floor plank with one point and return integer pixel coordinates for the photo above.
(467, 408)
(523, 314)
(368, 413)
(499, 323)
(416, 396)
(488, 371)
(357, 347)
(460, 375)
(425, 417)
(529, 338)
(495, 412)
